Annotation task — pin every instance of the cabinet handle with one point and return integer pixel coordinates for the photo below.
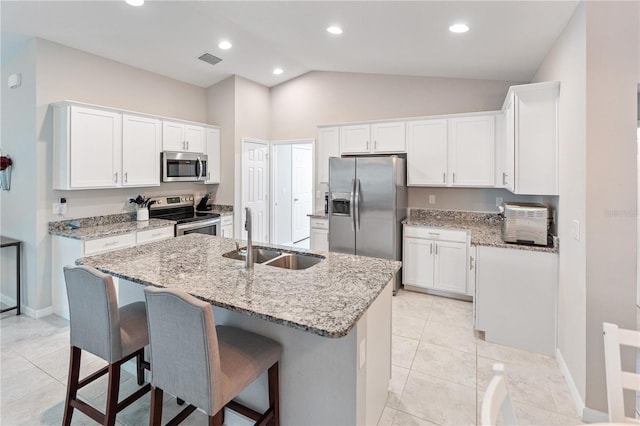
(436, 249)
(444, 177)
(431, 249)
(434, 233)
(375, 144)
(187, 145)
(367, 145)
(159, 234)
(126, 177)
(504, 178)
(115, 177)
(471, 263)
(113, 243)
(454, 177)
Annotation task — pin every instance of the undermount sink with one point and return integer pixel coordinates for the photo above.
(260, 254)
(277, 258)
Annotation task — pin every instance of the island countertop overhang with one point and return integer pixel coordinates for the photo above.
(327, 299)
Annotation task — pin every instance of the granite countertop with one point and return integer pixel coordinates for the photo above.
(326, 299)
(320, 214)
(221, 209)
(485, 228)
(92, 228)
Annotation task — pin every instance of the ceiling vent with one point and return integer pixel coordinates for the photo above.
(209, 58)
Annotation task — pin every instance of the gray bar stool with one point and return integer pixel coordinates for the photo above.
(100, 327)
(205, 365)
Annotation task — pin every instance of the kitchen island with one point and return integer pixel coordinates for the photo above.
(333, 319)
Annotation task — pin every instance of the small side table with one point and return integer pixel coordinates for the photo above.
(9, 242)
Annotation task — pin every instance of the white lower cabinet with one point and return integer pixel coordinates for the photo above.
(65, 251)
(226, 226)
(436, 259)
(516, 298)
(319, 234)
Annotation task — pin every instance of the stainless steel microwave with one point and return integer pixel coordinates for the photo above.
(183, 167)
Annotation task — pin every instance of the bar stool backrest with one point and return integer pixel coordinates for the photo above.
(93, 312)
(188, 365)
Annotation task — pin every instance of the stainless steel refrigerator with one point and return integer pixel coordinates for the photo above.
(367, 203)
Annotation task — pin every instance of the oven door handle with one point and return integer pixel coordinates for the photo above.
(199, 224)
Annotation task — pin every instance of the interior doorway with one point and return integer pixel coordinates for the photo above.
(255, 188)
(292, 192)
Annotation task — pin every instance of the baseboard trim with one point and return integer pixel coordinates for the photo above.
(9, 301)
(37, 313)
(588, 415)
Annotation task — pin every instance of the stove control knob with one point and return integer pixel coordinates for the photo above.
(159, 202)
(182, 199)
(190, 198)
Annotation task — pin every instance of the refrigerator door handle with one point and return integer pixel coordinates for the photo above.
(352, 204)
(356, 188)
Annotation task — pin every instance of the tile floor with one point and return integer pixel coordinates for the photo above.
(440, 368)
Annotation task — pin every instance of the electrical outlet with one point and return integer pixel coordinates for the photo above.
(432, 199)
(55, 208)
(499, 201)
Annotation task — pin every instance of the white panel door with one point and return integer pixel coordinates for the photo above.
(451, 266)
(418, 262)
(213, 155)
(427, 152)
(141, 139)
(472, 147)
(173, 136)
(194, 136)
(96, 141)
(255, 179)
(389, 137)
(301, 190)
(355, 139)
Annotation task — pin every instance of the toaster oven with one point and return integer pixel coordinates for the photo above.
(526, 223)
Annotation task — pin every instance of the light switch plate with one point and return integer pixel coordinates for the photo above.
(499, 201)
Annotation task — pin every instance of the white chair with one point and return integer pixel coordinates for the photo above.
(617, 380)
(497, 400)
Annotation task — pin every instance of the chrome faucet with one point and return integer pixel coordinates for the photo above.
(248, 263)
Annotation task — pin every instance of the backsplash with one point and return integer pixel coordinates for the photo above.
(86, 222)
(422, 214)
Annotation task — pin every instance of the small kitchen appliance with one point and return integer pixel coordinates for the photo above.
(525, 223)
(180, 208)
(183, 167)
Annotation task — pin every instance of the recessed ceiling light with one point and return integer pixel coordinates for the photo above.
(278, 71)
(224, 45)
(135, 2)
(334, 30)
(458, 28)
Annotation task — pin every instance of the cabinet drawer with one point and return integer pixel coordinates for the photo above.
(320, 223)
(109, 243)
(436, 233)
(226, 220)
(151, 235)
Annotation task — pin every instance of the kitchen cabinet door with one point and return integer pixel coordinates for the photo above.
(328, 146)
(471, 151)
(94, 146)
(450, 267)
(417, 262)
(173, 138)
(427, 153)
(319, 239)
(389, 138)
(355, 139)
(141, 139)
(226, 226)
(213, 155)
(508, 175)
(194, 136)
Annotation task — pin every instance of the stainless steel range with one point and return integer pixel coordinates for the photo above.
(180, 208)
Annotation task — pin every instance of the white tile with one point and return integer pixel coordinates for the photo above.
(386, 418)
(22, 382)
(413, 304)
(527, 415)
(404, 419)
(448, 364)
(452, 312)
(449, 336)
(42, 405)
(407, 326)
(438, 401)
(56, 364)
(396, 385)
(403, 351)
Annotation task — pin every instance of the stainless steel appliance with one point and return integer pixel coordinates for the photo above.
(367, 203)
(183, 167)
(525, 223)
(180, 209)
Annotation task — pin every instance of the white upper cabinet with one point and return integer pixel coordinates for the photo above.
(427, 152)
(456, 151)
(388, 137)
(213, 155)
(177, 136)
(141, 140)
(87, 147)
(531, 139)
(355, 139)
(328, 146)
(376, 138)
(472, 146)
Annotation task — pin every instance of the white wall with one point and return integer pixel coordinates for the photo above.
(18, 206)
(221, 109)
(567, 62)
(299, 105)
(596, 58)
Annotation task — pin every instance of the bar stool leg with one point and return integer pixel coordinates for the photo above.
(156, 407)
(216, 420)
(112, 394)
(139, 367)
(274, 395)
(72, 383)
